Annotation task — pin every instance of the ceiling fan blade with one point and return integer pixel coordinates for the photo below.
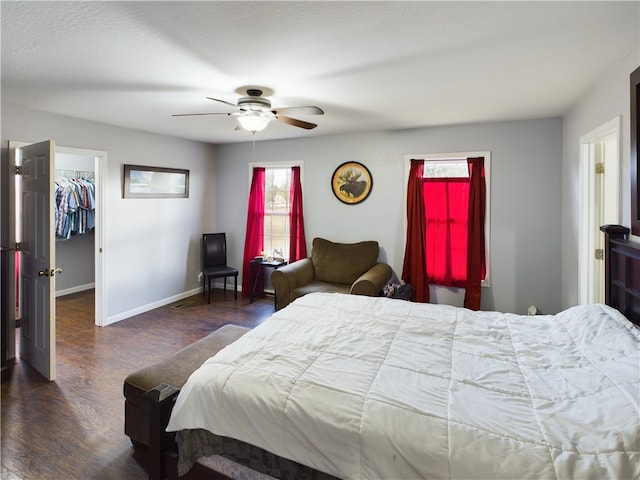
(193, 114)
(223, 101)
(309, 110)
(296, 123)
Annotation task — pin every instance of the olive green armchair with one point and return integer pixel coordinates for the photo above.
(332, 267)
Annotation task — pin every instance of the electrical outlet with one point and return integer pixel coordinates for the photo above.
(200, 277)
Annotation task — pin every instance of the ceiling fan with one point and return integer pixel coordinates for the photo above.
(254, 112)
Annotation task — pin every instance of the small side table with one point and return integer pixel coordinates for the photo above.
(256, 272)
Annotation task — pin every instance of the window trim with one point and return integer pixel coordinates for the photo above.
(434, 157)
(280, 164)
(283, 164)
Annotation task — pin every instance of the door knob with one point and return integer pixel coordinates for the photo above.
(49, 273)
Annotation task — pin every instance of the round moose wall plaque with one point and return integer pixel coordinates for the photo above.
(351, 182)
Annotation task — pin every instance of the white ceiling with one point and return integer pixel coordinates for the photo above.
(370, 65)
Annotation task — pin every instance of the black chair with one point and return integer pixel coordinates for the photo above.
(214, 262)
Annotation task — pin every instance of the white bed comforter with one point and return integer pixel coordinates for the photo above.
(362, 387)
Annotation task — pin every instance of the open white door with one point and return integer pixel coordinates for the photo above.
(38, 331)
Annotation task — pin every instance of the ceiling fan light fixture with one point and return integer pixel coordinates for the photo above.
(253, 123)
(254, 112)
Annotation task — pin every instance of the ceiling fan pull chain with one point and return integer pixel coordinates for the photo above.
(253, 148)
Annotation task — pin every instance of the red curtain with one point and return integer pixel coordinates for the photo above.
(476, 265)
(297, 241)
(446, 211)
(254, 239)
(414, 269)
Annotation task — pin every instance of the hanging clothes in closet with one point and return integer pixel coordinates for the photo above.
(75, 205)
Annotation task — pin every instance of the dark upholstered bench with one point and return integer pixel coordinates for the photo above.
(173, 371)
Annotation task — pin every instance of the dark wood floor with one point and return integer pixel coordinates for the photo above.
(72, 428)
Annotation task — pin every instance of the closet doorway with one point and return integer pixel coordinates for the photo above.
(75, 240)
(94, 256)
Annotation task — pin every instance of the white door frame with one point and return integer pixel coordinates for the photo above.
(610, 134)
(100, 157)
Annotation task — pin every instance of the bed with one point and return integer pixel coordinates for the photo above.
(359, 387)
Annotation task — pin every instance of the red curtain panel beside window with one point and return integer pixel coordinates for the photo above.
(254, 240)
(297, 241)
(476, 261)
(414, 268)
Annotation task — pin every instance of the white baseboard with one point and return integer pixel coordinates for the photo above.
(150, 306)
(79, 288)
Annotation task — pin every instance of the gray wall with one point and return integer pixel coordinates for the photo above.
(152, 246)
(525, 198)
(607, 99)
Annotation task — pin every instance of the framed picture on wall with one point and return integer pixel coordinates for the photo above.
(351, 182)
(155, 182)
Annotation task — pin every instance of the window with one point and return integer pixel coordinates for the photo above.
(277, 234)
(275, 220)
(446, 198)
